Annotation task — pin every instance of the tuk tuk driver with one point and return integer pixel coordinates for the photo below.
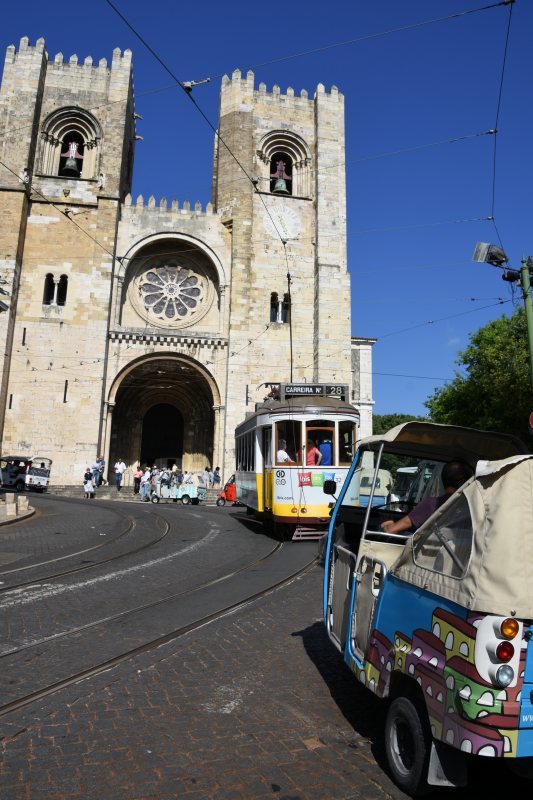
(454, 474)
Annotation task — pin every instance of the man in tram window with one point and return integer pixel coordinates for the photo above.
(282, 457)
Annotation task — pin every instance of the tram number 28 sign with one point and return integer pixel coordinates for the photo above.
(314, 390)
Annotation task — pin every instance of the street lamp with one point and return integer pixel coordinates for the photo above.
(491, 254)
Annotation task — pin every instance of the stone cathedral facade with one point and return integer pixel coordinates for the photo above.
(146, 330)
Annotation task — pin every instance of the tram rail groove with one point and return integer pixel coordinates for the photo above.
(153, 644)
(83, 567)
(131, 611)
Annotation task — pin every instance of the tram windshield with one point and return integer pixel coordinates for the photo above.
(322, 433)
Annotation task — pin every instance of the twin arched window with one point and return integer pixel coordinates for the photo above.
(55, 290)
(70, 144)
(280, 307)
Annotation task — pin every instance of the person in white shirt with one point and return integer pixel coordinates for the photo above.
(120, 469)
(282, 457)
(145, 485)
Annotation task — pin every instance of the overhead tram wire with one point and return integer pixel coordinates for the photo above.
(378, 34)
(496, 123)
(442, 319)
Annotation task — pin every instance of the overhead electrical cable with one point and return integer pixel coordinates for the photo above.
(441, 319)
(496, 123)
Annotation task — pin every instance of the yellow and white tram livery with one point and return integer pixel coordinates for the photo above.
(287, 449)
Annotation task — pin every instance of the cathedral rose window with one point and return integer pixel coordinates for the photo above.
(171, 293)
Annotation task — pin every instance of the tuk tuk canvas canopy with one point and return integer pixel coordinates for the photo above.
(498, 577)
(446, 442)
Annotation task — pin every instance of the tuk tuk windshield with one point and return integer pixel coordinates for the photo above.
(393, 481)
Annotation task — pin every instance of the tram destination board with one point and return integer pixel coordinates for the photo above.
(338, 390)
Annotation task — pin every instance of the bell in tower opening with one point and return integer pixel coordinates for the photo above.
(279, 178)
(70, 168)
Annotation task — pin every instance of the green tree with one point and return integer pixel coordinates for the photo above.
(493, 389)
(381, 423)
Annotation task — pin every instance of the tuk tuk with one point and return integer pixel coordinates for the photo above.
(186, 493)
(23, 474)
(438, 622)
(229, 493)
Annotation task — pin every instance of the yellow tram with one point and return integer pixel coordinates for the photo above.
(287, 449)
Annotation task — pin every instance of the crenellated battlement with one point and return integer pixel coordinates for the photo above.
(120, 60)
(140, 207)
(245, 87)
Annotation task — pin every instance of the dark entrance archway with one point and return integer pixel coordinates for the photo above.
(163, 409)
(162, 436)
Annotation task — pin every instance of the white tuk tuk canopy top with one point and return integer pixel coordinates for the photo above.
(446, 442)
(477, 549)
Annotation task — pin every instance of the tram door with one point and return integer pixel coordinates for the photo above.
(267, 468)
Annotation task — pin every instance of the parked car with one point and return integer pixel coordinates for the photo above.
(24, 474)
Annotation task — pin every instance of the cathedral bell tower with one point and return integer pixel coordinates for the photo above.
(67, 130)
(288, 218)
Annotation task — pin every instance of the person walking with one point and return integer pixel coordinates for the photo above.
(120, 469)
(216, 478)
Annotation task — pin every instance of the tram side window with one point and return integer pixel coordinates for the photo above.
(245, 456)
(347, 436)
(322, 433)
(289, 432)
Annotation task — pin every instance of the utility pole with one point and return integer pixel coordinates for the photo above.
(490, 254)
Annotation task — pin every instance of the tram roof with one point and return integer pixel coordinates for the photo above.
(299, 405)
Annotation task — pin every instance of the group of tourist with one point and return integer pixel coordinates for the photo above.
(147, 479)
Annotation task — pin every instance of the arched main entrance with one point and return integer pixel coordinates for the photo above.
(162, 411)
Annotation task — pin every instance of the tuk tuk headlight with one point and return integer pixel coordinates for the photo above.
(504, 675)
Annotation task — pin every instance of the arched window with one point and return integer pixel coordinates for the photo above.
(285, 157)
(71, 156)
(49, 290)
(62, 290)
(274, 307)
(70, 146)
(280, 309)
(281, 173)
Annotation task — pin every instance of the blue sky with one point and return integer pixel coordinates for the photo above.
(410, 229)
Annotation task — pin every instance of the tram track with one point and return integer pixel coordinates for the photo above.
(169, 636)
(131, 526)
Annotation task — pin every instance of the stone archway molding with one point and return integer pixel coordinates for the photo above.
(163, 357)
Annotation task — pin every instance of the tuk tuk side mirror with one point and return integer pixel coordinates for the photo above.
(330, 487)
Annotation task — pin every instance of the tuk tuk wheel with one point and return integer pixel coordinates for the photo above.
(407, 745)
(221, 501)
(20, 486)
(155, 498)
(185, 499)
